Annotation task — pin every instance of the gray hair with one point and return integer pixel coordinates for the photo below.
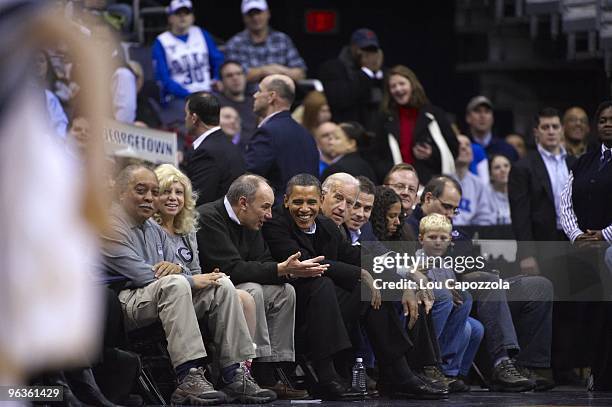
(122, 180)
(341, 178)
(245, 185)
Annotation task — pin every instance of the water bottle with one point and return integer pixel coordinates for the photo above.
(358, 381)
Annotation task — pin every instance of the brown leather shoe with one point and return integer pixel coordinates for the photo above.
(285, 392)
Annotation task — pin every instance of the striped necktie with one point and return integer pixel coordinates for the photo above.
(605, 159)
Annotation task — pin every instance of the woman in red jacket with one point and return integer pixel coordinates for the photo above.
(411, 130)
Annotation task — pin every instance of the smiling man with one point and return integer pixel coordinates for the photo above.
(403, 179)
(329, 307)
(156, 288)
(230, 238)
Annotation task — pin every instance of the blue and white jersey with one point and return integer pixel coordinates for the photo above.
(188, 61)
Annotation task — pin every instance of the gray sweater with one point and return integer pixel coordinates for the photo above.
(131, 250)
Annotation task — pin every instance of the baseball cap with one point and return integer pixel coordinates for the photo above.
(478, 101)
(248, 5)
(176, 5)
(365, 38)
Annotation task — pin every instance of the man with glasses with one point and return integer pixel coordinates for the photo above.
(517, 321)
(403, 179)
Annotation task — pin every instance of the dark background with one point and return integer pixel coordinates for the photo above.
(452, 64)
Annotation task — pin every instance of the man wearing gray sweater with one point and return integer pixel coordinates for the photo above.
(156, 287)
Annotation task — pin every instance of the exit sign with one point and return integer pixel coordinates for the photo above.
(321, 22)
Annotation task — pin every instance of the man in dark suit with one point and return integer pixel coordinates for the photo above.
(328, 307)
(214, 162)
(534, 190)
(280, 148)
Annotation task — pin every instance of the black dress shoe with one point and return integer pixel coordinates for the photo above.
(337, 390)
(417, 388)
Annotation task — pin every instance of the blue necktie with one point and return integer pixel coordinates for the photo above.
(605, 159)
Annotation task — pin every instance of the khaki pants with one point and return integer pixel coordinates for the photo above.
(171, 300)
(275, 313)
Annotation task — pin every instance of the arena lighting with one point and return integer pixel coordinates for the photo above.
(321, 21)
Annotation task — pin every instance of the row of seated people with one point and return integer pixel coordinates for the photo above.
(200, 117)
(301, 264)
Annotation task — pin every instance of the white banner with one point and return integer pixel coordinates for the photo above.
(124, 140)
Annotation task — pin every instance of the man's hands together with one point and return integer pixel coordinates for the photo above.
(293, 267)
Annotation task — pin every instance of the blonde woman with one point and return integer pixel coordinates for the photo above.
(177, 216)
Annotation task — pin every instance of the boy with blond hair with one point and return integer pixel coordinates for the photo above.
(458, 334)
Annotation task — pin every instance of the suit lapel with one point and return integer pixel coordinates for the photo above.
(542, 173)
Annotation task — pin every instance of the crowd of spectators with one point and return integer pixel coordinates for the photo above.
(265, 229)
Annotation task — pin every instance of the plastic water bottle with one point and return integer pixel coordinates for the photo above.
(359, 377)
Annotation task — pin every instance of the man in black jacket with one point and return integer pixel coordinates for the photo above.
(534, 191)
(213, 162)
(353, 82)
(328, 307)
(230, 239)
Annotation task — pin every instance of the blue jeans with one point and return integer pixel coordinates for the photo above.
(473, 333)
(449, 322)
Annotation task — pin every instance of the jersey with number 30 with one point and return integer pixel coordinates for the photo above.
(188, 61)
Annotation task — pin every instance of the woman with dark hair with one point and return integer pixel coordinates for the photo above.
(411, 130)
(350, 140)
(387, 221)
(387, 218)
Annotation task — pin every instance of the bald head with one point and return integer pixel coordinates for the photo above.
(276, 93)
(282, 85)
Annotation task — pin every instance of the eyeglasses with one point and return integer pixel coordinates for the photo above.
(403, 187)
(449, 207)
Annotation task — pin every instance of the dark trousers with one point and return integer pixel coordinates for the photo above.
(530, 300)
(517, 321)
(321, 332)
(329, 318)
(426, 351)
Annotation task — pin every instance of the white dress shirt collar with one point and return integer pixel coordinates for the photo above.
(203, 136)
(230, 211)
(311, 230)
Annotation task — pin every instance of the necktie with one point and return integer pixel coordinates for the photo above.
(605, 159)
